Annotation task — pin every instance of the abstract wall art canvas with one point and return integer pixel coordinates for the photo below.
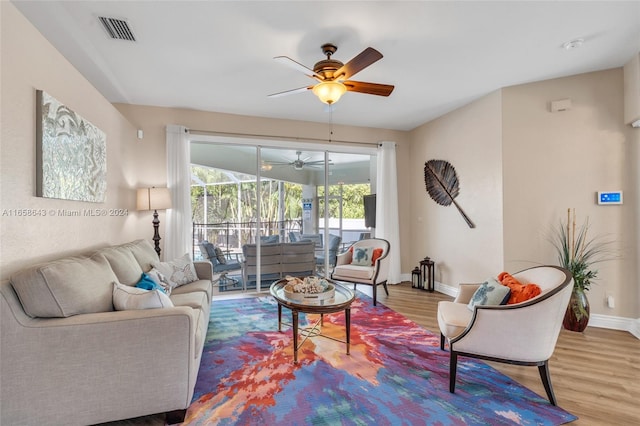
(71, 153)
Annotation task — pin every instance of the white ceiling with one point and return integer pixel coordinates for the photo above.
(218, 55)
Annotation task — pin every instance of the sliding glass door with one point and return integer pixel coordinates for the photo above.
(247, 200)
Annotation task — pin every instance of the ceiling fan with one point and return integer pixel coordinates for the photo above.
(297, 164)
(333, 76)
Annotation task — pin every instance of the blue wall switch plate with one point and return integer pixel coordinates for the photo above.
(609, 197)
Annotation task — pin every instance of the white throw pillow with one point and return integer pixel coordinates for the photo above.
(129, 298)
(179, 271)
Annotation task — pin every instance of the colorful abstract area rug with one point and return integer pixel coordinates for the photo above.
(396, 374)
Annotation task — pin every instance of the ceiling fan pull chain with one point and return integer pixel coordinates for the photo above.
(330, 122)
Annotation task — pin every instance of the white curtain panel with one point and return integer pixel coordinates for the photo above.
(178, 228)
(387, 218)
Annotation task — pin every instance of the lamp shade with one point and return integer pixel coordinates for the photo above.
(154, 199)
(329, 92)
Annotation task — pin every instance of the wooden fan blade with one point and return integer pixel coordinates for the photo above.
(369, 88)
(367, 57)
(298, 66)
(290, 92)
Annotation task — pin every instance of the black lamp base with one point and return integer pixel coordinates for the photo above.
(156, 234)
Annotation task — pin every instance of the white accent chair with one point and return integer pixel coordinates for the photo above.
(524, 333)
(372, 275)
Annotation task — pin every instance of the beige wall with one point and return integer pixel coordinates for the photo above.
(470, 139)
(555, 161)
(151, 150)
(29, 63)
(520, 167)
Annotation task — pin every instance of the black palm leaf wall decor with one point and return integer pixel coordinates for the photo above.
(443, 186)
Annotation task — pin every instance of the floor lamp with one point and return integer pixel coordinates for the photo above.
(154, 199)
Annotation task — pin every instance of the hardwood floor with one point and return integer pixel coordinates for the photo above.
(595, 374)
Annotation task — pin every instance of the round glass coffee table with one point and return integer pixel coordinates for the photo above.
(341, 301)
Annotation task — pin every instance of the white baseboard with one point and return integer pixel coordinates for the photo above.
(446, 289)
(616, 323)
(635, 329)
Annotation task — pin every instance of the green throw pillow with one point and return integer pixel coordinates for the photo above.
(490, 292)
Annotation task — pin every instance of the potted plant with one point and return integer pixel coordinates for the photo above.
(577, 252)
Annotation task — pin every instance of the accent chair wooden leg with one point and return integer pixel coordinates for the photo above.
(386, 290)
(546, 381)
(375, 290)
(453, 366)
(175, 416)
(441, 341)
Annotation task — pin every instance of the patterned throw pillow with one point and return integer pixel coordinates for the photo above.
(162, 281)
(179, 271)
(490, 292)
(362, 256)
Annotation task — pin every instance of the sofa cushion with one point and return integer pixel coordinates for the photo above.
(127, 298)
(123, 263)
(179, 271)
(66, 287)
(453, 318)
(200, 286)
(490, 292)
(194, 299)
(144, 253)
(354, 271)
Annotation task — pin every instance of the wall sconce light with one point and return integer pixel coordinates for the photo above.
(154, 199)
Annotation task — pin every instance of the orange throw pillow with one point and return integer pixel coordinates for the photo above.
(377, 253)
(519, 292)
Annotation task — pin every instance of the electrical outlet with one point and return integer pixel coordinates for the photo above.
(611, 301)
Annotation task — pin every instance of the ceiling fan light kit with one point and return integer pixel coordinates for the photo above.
(329, 92)
(333, 76)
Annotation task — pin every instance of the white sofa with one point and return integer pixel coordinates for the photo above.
(67, 357)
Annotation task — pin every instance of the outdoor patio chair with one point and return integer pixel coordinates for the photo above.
(221, 262)
(334, 245)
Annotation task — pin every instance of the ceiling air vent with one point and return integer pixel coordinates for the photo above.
(117, 29)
